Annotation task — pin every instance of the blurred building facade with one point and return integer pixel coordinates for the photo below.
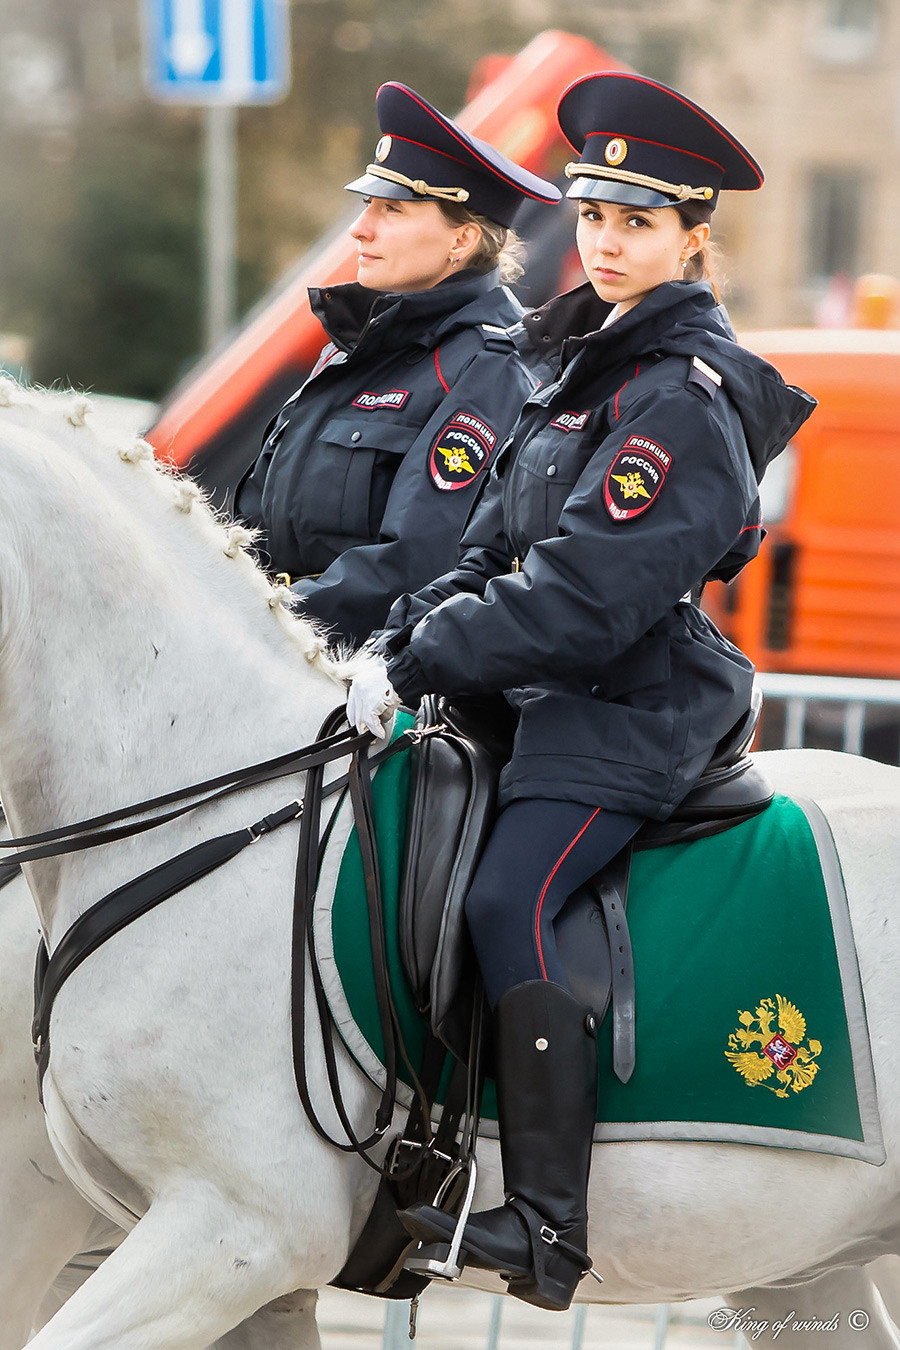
(812, 87)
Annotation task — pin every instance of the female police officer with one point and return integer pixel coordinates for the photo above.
(632, 477)
(366, 475)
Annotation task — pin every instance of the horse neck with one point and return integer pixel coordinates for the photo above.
(133, 660)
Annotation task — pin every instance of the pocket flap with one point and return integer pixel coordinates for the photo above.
(369, 432)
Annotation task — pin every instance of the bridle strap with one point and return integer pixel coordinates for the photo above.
(8, 872)
(303, 946)
(90, 833)
(120, 907)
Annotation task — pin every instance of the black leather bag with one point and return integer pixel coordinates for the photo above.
(452, 805)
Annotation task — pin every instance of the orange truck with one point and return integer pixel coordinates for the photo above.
(823, 597)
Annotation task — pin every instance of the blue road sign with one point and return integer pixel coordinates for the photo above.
(217, 51)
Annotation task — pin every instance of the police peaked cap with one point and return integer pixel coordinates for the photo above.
(643, 144)
(423, 156)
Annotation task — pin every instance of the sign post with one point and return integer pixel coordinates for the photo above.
(218, 54)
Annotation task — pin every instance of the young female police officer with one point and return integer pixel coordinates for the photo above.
(366, 475)
(632, 477)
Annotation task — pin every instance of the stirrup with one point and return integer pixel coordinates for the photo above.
(430, 1260)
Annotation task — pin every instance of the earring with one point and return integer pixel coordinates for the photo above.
(454, 262)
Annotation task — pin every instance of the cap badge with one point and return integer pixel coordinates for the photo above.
(616, 151)
(383, 149)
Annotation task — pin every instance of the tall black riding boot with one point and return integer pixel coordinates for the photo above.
(547, 1100)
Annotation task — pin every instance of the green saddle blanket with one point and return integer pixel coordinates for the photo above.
(751, 1024)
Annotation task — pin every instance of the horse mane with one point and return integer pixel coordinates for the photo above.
(180, 493)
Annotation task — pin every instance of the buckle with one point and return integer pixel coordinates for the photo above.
(548, 1235)
(418, 734)
(272, 822)
(405, 1149)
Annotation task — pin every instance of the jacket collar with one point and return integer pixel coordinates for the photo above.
(349, 312)
(563, 327)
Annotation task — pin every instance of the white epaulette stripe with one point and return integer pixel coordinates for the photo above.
(707, 370)
(493, 328)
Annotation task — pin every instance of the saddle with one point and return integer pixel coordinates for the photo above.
(451, 811)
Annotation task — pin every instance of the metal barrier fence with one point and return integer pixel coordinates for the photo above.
(853, 715)
(470, 1320)
(830, 712)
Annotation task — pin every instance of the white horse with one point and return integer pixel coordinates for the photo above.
(50, 1238)
(139, 650)
(46, 1225)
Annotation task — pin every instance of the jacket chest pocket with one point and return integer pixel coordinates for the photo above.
(539, 482)
(350, 470)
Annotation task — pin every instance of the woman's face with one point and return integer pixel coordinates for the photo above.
(627, 251)
(408, 246)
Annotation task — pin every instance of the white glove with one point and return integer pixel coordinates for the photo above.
(371, 696)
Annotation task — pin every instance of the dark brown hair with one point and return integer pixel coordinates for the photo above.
(704, 265)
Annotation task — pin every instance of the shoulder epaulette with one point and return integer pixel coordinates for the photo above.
(497, 339)
(709, 380)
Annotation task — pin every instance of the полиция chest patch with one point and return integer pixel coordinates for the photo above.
(394, 398)
(635, 478)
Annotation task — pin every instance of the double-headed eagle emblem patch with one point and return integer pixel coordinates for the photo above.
(781, 1052)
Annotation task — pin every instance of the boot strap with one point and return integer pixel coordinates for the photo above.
(542, 1236)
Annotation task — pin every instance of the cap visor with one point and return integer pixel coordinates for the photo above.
(624, 194)
(370, 186)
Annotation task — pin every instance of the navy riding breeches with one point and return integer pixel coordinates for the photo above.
(539, 852)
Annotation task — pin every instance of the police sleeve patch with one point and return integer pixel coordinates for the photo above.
(635, 478)
(460, 451)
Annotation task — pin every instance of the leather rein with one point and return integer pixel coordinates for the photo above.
(120, 907)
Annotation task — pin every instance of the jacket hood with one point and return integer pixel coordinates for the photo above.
(349, 311)
(771, 411)
(676, 319)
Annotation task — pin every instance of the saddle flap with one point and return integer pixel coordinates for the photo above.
(452, 802)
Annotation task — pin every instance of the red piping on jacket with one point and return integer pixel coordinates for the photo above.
(637, 371)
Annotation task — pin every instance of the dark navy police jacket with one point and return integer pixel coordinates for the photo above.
(631, 479)
(369, 471)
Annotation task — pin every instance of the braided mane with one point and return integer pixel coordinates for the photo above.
(181, 494)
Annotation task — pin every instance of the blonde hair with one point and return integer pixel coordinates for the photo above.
(499, 247)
